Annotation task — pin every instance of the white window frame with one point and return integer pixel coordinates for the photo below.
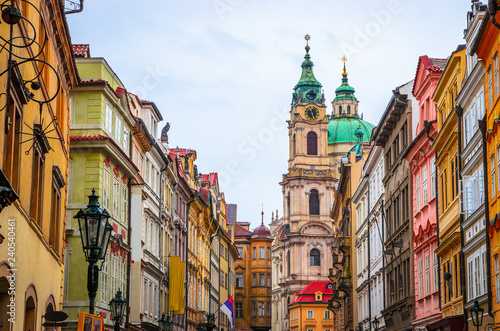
(103, 288)
(436, 271)
(327, 314)
(118, 129)
(498, 167)
(106, 189)
(262, 252)
(492, 173)
(240, 252)
(116, 197)
(495, 59)
(433, 178)
(490, 88)
(310, 314)
(420, 280)
(108, 118)
(427, 275)
(424, 186)
(476, 272)
(417, 189)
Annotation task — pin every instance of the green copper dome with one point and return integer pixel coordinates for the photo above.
(346, 129)
(308, 87)
(345, 91)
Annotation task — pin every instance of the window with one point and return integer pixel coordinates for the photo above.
(269, 253)
(55, 212)
(497, 81)
(123, 201)
(492, 174)
(348, 109)
(476, 273)
(424, 185)
(472, 192)
(427, 276)
(420, 280)
(103, 288)
(268, 280)
(310, 314)
(433, 178)
(118, 129)
(314, 258)
(240, 252)
(497, 278)
(255, 252)
(498, 169)
(262, 252)
(125, 138)
(312, 143)
(254, 279)
(262, 280)
(106, 193)
(238, 309)
(436, 272)
(108, 118)
(490, 88)
(12, 152)
(294, 145)
(37, 186)
(417, 186)
(327, 314)
(313, 202)
(262, 309)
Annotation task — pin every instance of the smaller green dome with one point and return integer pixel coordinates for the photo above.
(346, 129)
(345, 91)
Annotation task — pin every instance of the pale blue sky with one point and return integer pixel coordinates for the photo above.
(222, 71)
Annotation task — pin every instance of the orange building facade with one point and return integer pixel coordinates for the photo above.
(309, 309)
(252, 299)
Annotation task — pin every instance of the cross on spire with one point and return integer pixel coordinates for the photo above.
(344, 59)
(307, 37)
(262, 214)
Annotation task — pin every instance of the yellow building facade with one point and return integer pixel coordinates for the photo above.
(34, 124)
(448, 167)
(309, 309)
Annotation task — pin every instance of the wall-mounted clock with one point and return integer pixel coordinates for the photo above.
(312, 113)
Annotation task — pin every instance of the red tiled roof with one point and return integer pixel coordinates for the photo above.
(307, 295)
(81, 50)
(205, 194)
(88, 137)
(210, 178)
(431, 64)
(182, 151)
(240, 231)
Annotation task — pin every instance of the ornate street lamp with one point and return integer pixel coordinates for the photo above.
(166, 324)
(95, 231)
(476, 313)
(331, 275)
(375, 323)
(118, 305)
(200, 327)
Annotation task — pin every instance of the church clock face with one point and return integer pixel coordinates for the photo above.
(312, 113)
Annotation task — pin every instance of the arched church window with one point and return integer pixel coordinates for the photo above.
(312, 143)
(348, 109)
(314, 257)
(294, 145)
(340, 110)
(288, 262)
(313, 202)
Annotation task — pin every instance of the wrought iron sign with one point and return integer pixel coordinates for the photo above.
(27, 88)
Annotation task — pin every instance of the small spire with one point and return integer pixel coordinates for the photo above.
(307, 37)
(262, 214)
(344, 59)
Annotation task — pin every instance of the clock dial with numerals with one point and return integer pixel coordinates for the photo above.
(312, 113)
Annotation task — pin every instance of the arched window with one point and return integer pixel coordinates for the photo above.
(313, 202)
(312, 143)
(314, 257)
(294, 145)
(288, 201)
(340, 110)
(348, 109)
(288, 262)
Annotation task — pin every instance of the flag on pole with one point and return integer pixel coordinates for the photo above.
(227, 308)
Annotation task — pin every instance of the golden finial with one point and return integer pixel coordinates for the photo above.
(344, 59)
(307, 37)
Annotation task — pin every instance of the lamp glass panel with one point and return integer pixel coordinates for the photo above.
(107, 234)
(83, 230)
(92, 230)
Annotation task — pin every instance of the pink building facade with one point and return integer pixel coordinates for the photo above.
(421, 158)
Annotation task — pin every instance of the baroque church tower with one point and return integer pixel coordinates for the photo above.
(302, 238)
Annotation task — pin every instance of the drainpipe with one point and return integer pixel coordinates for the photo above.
(369, 272)
(436, 181)
(482, 127)
(129, 256)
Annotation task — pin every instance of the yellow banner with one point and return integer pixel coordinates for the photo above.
(174, 278)
(180, 287)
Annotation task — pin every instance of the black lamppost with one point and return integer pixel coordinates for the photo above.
(200, 327)
(95, 231)
(476, 313)
(166, 324)
(118, 304)
(375, 323)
